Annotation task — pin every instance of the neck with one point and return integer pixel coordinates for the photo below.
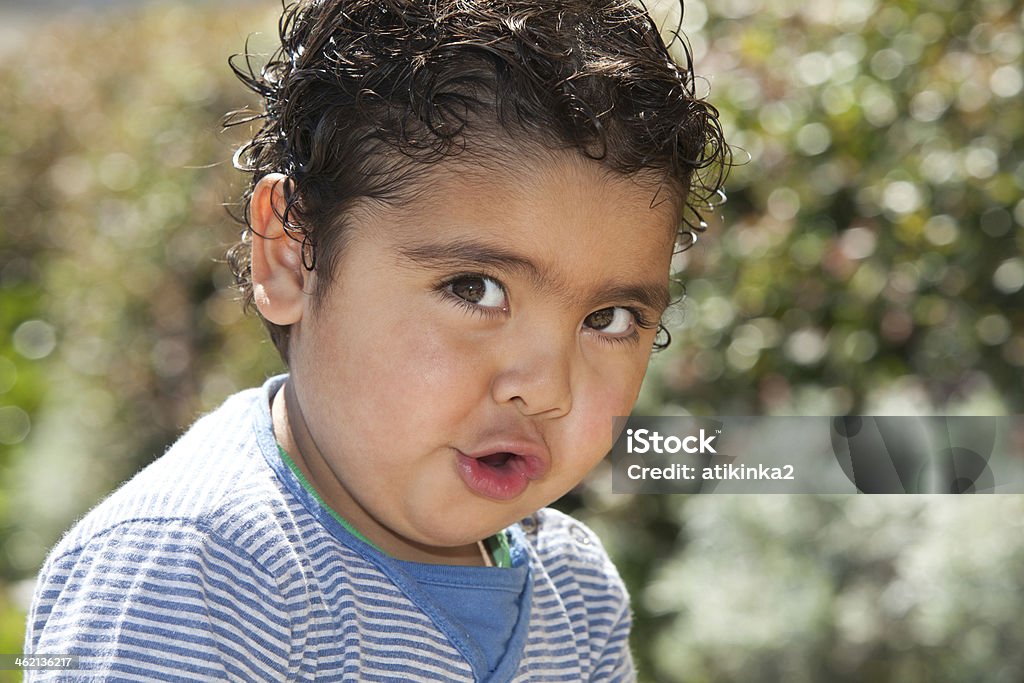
(293, 436)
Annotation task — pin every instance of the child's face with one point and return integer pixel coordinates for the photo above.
(464, 368)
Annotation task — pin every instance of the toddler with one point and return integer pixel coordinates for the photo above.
(460, 223)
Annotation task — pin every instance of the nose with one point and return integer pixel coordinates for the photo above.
(535, 375)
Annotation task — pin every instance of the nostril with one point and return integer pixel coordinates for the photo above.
(535, 384)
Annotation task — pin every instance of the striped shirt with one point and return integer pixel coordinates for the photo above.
(214, 563)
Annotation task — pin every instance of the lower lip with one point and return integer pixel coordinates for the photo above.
(497, 483)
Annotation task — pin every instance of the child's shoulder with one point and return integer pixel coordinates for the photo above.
(556, 531)
(565, 545)
(212, 481)
(574, 566)
(196, 545)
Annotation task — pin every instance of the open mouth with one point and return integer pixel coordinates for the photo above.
(498, 459)
(501, 475)
(503, 469)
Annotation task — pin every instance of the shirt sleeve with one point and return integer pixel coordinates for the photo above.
(616, 660)
(594, 595)
(159, 600)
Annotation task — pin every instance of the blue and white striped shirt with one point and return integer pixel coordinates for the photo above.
(214, 563)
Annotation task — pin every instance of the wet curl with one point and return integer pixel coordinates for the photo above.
(363, 96)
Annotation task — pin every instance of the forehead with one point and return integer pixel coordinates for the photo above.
(562, 200)
(562, 223)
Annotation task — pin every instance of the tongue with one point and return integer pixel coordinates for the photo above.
(496, 459)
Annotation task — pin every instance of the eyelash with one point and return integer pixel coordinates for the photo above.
(639, 323)
(639, 320)
(469, 306)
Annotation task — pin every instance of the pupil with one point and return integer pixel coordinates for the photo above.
(601, 319)
(471, 289)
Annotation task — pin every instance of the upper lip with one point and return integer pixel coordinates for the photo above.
(535, 456)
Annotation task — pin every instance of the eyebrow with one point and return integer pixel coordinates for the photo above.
(470, 254)
(463, 253)
(652, 297)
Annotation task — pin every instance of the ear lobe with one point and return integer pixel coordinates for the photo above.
(278, 276)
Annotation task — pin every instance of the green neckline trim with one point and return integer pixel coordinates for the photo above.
(497, 544)
(309, 487)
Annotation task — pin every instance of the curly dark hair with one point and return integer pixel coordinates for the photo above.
(364, 95)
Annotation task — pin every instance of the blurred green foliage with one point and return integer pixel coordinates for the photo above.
(869, 259)
(117, 327)
(871, 254)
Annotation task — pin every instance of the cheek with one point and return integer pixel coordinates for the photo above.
(596, 408)
(411, 367)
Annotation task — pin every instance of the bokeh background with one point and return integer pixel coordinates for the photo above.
(869, 260)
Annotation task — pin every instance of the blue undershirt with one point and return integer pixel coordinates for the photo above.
(480, 607)
(484, 602)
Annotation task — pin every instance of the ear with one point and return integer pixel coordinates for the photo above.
(278, 276)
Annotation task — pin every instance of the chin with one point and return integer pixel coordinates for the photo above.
(456, 534)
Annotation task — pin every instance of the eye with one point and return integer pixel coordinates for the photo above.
(478, 290)
(615, 321)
